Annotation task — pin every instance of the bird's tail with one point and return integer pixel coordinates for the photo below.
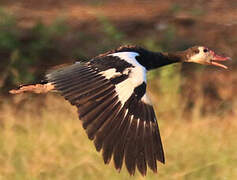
(38, 88)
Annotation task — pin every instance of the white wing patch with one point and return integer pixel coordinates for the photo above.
(136, 77)
(110, 73)
(146, 99)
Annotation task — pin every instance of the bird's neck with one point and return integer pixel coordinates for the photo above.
(163, 59)
(152, 60)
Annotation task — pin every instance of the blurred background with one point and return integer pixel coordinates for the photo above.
(196, 106)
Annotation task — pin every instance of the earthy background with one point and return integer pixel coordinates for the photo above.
(41, 136)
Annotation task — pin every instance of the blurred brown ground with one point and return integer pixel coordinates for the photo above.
(213, 23)
(216, 25)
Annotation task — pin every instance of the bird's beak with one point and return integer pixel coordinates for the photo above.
(218, 58)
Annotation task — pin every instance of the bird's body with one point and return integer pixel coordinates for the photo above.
(110, 93)
(116, 112)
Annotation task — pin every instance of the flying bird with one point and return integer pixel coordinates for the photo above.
(109, 92)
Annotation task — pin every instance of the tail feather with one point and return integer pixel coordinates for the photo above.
(33, 88)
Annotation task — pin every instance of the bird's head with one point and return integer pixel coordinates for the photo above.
(203, 55)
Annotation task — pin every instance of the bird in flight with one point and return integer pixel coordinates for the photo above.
(109, 92)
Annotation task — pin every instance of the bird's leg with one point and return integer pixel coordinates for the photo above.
(34, 88)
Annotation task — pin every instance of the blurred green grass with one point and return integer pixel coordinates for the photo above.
(49, 143)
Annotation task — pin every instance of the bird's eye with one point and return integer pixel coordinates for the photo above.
(205, 50)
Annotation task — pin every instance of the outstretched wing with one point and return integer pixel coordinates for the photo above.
(110, 94)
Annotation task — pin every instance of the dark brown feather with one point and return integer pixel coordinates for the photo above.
(121, 140)
(149, 148)
(103, 116)
(109, 127)
(91, 116)
(141, 159)
(131, 147)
